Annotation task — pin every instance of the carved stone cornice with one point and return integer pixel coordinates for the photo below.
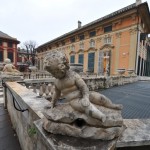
(107, 46)
(72, 53)
(91, 49)
(80, 51)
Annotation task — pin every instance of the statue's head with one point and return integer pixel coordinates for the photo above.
(56, 63)
(7, 61)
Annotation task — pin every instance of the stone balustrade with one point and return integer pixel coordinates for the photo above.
(42, 87)
(36, 75)
(101, 82)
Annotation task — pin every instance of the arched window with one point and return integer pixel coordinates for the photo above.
(72, 48)
(92, 43)
(107, 40)
(81, 45)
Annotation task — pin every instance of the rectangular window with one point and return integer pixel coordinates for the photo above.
(81, 37)
(81, 45)
(93, 33)
(11, 56)
(91, 58)
(1, 56)
(107, 40)
(72, 39)
(81, 59)
(72, 59)
(108, 29)
(10, 44)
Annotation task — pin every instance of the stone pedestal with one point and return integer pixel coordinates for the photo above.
(63, 142)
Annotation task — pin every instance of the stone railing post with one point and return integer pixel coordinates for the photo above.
(8, 78)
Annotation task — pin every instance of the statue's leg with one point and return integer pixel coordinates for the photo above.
(102, 100)
(90, 110)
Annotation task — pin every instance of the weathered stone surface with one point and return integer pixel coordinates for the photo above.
(66, 114)
(62, 119)
(137, 133)
(82, 132)
(61, 142)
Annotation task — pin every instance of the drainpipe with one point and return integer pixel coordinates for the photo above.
(138, 44)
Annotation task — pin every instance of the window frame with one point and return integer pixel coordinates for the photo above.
(79, 58)
(72, 57)
(106, 29)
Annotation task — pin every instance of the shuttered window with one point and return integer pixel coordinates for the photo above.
(81, 58)
(72, 59)
(91, 58)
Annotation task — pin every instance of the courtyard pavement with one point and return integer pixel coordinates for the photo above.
(134, 97)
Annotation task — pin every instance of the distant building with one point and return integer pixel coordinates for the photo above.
(116, 41)
(8, 48)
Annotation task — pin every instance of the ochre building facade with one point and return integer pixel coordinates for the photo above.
(116, 41)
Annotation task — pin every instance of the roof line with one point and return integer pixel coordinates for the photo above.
(129, 7)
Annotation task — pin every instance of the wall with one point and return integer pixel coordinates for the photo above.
(23, 121)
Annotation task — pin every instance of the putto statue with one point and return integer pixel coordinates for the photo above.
(9, 68)
(83, 113)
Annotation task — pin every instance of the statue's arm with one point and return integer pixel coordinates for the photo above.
(55, 96)
(84, 91)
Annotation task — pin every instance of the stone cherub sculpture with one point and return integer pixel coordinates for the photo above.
(71, 87)
(9, 68)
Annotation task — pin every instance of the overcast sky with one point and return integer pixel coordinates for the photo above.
(44, 20)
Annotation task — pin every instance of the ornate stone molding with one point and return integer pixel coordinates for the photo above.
(99, 39)
(118, 35)
(72, 52)
(107, 46)
(80, 51)
(117, 22)
(133, 30)
(107, 35)
(91, 49)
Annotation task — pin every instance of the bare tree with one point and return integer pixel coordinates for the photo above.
(30, 47)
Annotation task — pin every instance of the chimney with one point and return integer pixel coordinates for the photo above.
(79, 24)
(138, 2)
